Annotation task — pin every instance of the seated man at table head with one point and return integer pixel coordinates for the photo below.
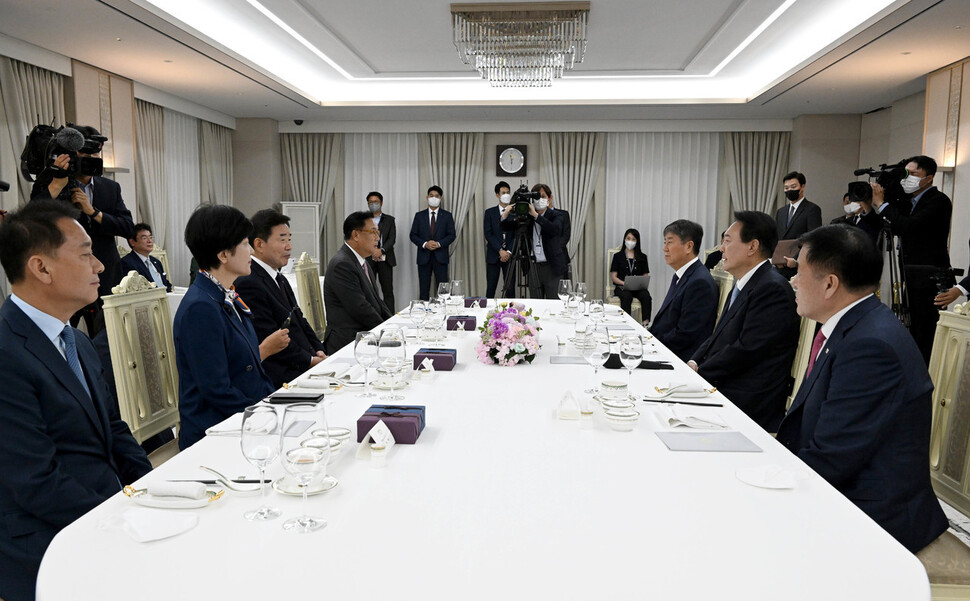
(63, 447)
(350, 291)
(216, 351)
(269, 296)
(749, 355)
(861, 418)
(688, 312)
(140, 259)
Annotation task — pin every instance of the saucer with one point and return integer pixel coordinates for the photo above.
(288, 486)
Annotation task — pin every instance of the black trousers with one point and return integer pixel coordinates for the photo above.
(626, 301)
(548, 282)
(385, 275)
(424, 277)
(492, 271)
(923, 315)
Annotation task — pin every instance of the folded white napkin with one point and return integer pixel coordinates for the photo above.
(768, 476)
(145, 525)
(685, 417)
(187, 490)
(351, 374)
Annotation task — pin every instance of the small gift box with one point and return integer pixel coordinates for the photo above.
(405, 427)
(443, 359)
(402, 409)
(467, 323)
(475, 302)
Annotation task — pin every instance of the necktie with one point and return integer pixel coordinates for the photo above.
(734, 295)
(281, 282)
(369, 278)
(70, 353)
(670, 291)
(432, 223)
(816, 347)
(791, 213)
(154, 273)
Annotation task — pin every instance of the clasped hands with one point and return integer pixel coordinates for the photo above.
(432, 245)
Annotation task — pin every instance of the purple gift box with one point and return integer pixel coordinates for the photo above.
(418, 410)
(405, 427)
(466, 322)
(477, 302)
(443, 359)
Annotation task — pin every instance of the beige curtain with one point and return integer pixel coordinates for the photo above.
(150, 172)
(454, 162)
(215, 146)
(313, 172)
(31, 95)
(755, 163)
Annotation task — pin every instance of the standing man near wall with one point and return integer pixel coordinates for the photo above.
(799, 216)
(383, 261)
(432, 231)
(497, 254)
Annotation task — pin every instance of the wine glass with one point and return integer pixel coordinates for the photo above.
(597, 353)
(365, 351)
(579, 289)
(444, 291)
(304, 463)
(631, 352)
(565, 289)
(392, 354)
(434, 319)
(260, 444)
(458, 294)
(418, 312)
(597, 312)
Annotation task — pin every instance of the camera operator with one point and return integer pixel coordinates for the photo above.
(103, 216)
(921, 219)
(545, 239)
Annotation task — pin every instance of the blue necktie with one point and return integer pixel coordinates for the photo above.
(670, 291)
(70, 352)
(734, 295)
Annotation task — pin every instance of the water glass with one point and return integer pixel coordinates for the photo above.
(417, 312)
(565, 289)
(444, 291)
(597, 312)
(260, 444)
(392, 354)
(631, 352)
(365, 351)
(304, 463)
(579, 289)
(597, 352)
(458, 293)
(434, 319)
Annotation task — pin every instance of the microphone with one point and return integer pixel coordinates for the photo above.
(859, 172)
(4, 186)
(69, 139)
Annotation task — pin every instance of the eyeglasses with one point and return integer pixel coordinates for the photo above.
(375, 231)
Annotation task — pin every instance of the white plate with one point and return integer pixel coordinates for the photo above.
(147, 500)
(288, 486)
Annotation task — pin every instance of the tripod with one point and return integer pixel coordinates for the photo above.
(898, 293)
(522, 265)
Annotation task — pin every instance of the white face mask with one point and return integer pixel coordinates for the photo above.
(505, 199)
(433, 202)
(373, 207)
(630, 244)
(911, 183)
(541, 203)
(851, 208)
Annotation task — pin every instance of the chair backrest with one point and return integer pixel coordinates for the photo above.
(608, 290)
(142, 347)
(725, 283)
(309, 295)
(802, 355)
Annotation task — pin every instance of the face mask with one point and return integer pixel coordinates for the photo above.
(433, 202)
(910, 184)
(630, 244)
(851, 208)
(373, 207)
(505, 199)
(540, 204)
(792, 195)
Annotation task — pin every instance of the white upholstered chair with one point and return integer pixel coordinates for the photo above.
(725, 283)
(308, 294)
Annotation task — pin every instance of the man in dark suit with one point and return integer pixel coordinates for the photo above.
(497, 242)
(686, 317)
(141, 260)
(869, 437)
(798, 216)
(272, 302)
(749, 355)
(104, 216)
(432, 231)
(384, 260)
(567, 232)
(921, 219)
(350, 290)
(63, 447)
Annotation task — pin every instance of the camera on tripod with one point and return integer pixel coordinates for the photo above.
(521, 202)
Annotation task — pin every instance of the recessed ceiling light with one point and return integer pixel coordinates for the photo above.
(117, 39)
(168, 60)
(907, 53)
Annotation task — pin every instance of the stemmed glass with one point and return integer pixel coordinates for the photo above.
(260, 444)
(393, 355)
(597, 312)
(631, 352)
(304, 463)
(418, 312)
(444, 291)
(565, 289)
(579, 289)
(597, 353)
(458, 294)
(365, 351)
(434, 319)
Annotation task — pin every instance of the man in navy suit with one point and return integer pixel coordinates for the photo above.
(432, 232)
(749, 355)
(141, 260)
(861, 418)
(689, 310)
(63, 447)
(800, 215)
(269, 296)
(497, 251)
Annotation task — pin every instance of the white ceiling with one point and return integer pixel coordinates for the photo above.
(645, 60)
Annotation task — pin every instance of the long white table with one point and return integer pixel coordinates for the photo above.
(501, 500)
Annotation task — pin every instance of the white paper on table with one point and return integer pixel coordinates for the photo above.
(381, 436)
(145, 525)
(686, 417)
(769, 476)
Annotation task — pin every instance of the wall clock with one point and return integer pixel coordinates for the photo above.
(510, 160)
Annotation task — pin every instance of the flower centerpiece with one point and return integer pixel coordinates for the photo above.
(509, 335)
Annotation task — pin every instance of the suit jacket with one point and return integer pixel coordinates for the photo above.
(923, 230)
(217, 356)
(687, 318)
(271, 305)
(495, 237)
(965, 282)
(351, 301)
(807, 217)
(749, 355)
(444, 234)
(62, 452)
(567, 232)
(870, 437)
(133, 261)
(115, 221)
(388, 230)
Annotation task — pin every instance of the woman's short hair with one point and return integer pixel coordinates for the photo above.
(212, 229)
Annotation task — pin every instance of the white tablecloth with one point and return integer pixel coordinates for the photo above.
(501, 500)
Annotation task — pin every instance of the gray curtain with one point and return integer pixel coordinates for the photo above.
(150, 169)
(755, 163)
(215, 146)
(313, 172)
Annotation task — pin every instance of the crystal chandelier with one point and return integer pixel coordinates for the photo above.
(521, 44)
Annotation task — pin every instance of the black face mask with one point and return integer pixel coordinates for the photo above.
(792, 195)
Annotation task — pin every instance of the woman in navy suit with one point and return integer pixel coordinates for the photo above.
(216, 350)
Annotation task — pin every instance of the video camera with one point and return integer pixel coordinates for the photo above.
(45, 143)
(521, 202)
(887, 176)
